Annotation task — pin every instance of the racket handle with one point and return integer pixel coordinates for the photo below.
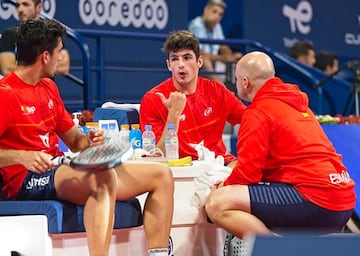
(59, 160)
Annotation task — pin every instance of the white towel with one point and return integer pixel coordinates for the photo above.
(211, 173)
(110, 104)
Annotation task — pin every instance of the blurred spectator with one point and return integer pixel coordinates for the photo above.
(26, 10)
(303, 51)
(208, 26)
(327, 62)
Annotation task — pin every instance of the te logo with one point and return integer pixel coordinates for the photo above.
(299, 17)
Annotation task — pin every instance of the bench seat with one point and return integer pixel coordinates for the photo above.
(64, 217)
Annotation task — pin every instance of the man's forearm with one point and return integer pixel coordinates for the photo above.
(10, 157)
(7, 62)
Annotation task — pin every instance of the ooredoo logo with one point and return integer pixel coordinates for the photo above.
(148, 13)
(8, 10)
(49, 8)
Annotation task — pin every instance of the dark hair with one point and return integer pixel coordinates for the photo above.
(300, 48)
(33, 37)
(36, 2)
(324, 59)
(216, 2)
(182, 39)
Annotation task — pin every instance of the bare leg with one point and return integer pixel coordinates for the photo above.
(138, 178)
(97, 191)
(231, 204)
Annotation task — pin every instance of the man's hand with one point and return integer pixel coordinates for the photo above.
(96, 137)
(217, 185)
(36, 161)
(175, 103)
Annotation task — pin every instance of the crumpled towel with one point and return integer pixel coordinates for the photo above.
(211, 173)
(110, 104)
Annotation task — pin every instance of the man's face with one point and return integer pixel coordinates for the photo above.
(184, 66)
(52, 60)
(330, 69)
(213, 15)
(27, 10)
(309, 59)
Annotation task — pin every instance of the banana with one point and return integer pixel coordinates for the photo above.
(185, 161)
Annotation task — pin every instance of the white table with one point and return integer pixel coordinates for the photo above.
(191, 232)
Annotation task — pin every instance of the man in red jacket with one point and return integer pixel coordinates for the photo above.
(288, 175)
(198, 107)
(33, 116)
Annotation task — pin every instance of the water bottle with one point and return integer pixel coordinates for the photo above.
(76, 120)
(75, 117)
(105, 128)
(171, 143)
(148, 138)
(135, 136)
(124, 134)
(112, 132)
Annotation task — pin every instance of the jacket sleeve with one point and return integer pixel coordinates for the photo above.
(252, 149)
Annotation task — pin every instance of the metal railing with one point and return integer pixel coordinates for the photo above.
(101, 65)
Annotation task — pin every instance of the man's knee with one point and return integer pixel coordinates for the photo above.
(106, 179)
(211, 206)
(166, 176)
(161, 171)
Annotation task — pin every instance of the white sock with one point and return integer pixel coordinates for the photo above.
(158, 252)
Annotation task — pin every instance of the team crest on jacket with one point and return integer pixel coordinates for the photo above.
(50, 104)
(182, 117)
(208, 111)
(45, 139)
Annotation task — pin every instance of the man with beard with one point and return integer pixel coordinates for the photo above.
(27, 10)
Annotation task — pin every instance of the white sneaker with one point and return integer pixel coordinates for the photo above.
(171, 247)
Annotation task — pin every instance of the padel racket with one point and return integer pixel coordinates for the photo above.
(98, 158)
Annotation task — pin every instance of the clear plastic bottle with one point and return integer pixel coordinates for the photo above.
(124, 134)
(171, 143)
(105, 128)
(135, 136)
(112, 133)
(148, 138)
(76, 120)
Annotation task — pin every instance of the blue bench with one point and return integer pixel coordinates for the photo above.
(64, 217)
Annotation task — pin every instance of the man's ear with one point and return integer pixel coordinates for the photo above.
(45, 57)
(200, 61)
(168, 64)
(246, 82)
